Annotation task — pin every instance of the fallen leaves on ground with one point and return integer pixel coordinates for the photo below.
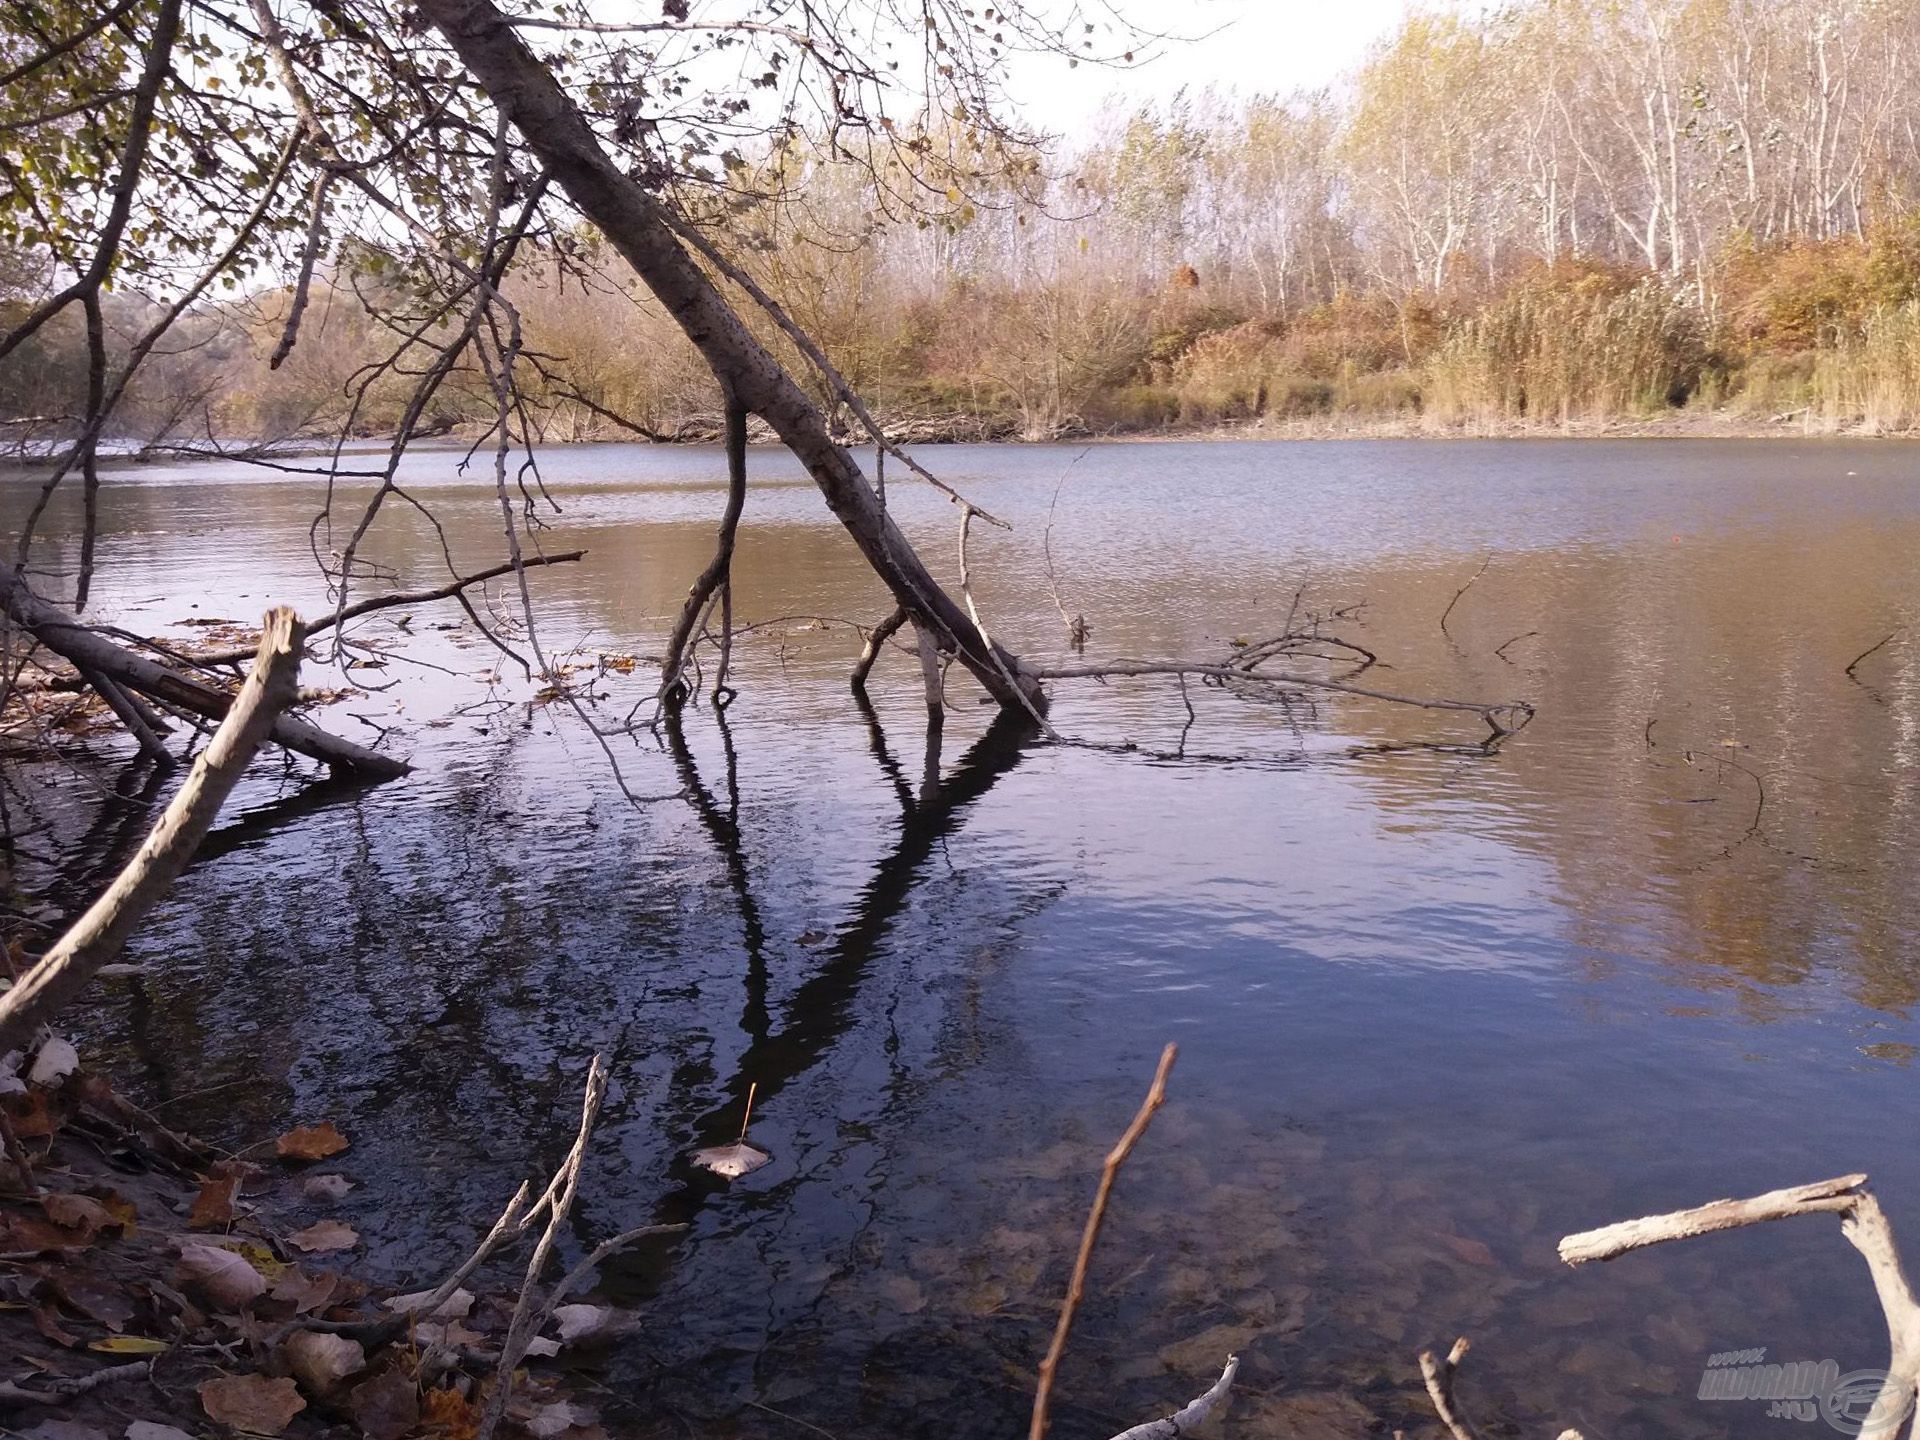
(306, 1293)
(24, 1235)
(32, 1118)
(63, 1430)
(150, 1430)
(549, 1418)
(310, 1142)
(100, 1301)
(449, 1415)
(48, 1324)
(324, 1236)
(320, 1362)
(129, 1345)
(225, 1278)
(80, 1212)
(252, 1403)
(454, 1307)
(387, 1406)
(57, 1060)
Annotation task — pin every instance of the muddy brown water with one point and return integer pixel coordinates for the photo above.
(1436, 1009)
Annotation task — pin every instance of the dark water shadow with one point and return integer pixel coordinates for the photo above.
(822, 1010)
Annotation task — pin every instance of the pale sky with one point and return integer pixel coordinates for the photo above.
(1251, 46)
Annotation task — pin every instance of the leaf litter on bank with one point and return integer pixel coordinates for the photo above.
(221, 1276)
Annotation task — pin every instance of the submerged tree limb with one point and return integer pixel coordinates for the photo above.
(1438, 1374)
(718, 574)
(98, 935)
(876, 641)
(1195, 1413)
(1503, 718)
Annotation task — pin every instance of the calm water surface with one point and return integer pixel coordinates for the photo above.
(1436, 1009)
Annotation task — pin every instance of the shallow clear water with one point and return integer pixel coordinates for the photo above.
(1436, 1009)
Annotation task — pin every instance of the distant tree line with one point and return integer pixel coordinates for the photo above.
(1565, 211)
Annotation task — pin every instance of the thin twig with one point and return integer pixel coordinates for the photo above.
(1077, 1286)
(1881, 644)
(1461, 591)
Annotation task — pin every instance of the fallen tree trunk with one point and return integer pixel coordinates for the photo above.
(91, 652)
(528, 96)
(98, 935)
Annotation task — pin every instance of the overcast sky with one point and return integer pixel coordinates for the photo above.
(1247, 45)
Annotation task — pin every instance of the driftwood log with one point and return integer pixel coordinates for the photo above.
(98, 935)
(92, 653)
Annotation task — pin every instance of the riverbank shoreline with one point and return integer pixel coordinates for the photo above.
(966, 430)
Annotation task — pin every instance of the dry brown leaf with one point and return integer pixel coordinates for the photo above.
(548, 1419)
(323, 1236)
(310, 1142)
(454, 1307)
(221, 1276)
(79, 1212)
(320, 1362)
(449, 1415)
(32, 1118)
(100, 1302)
(306, 1293)
(589, 1324)
(24, 1235)
(48, 1324)
(385, 1407)
(252, 1403)
(213, 1206)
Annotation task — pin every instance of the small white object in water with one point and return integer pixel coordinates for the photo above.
(731, 1161)
(57, 1060)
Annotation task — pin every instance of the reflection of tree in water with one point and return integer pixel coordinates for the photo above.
(821, 1010)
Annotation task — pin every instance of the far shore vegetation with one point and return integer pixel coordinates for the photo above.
(1675, 218)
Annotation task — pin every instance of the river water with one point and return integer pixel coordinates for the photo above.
(1436, 1008)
